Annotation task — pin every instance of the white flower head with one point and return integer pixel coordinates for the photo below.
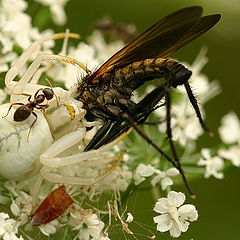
(232, 153)
(8, 230)
(164, 177)
(213, 164)
(230, 128)
(185, 125)
(49, 228)
(129, 218)
(117, 180)
(143, 171)
(57, 10)
(88, 223)
(174, 217)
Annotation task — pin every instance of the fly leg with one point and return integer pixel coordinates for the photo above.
(98, 136)
(172, 146)
(102, 131)
(196, 108)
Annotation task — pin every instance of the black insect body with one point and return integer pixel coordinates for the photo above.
(25, 110)
(106, 93)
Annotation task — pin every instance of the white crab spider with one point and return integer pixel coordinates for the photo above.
(68, 117)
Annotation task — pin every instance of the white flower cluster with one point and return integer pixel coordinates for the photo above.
(87, 223)
(213, 164)
(143, 171)
(230, 134)
(12, 20)
(8, 230)
(57, 10)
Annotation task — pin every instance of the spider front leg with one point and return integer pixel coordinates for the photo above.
(99, 157)
(26, 55)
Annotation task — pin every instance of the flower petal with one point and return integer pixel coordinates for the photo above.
(176, 199)
(175, 231)
(164, 222)
(206, 153)
(172, 172)
(161, 206)
(183, 225)
(166, 182)
(188, 212)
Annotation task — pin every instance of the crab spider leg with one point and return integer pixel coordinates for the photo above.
(63, 52)
(49, 159)
(65, 43)
(82, 181)
(22, 60)
(36, 64)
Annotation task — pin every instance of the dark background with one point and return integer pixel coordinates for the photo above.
(217, 200)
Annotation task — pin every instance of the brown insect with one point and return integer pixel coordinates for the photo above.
(106, 93)
(25, 110)
(56, 203)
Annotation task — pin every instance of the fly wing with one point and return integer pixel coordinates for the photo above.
(200, 27)
(163, 38)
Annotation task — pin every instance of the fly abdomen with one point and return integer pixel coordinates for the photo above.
(135, 74)
(178, 73)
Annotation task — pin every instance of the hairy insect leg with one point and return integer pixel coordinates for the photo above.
(151, 99)
(196, 108)
(98, 136)
(116, 130)
(172, 146)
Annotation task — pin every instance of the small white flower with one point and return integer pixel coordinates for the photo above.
(8, 229)
(117, 180)
(232, 153)
(185, 124)
(57, 10)
(143, 171)
(213, 164)
(203, 90)
(173, 217)
(88, 223)
(3, 96)
(230, 128)
(129, 218)
(49, 228)
(4, 60)
(164, 177)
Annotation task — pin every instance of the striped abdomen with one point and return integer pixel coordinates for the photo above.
(135, 74)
